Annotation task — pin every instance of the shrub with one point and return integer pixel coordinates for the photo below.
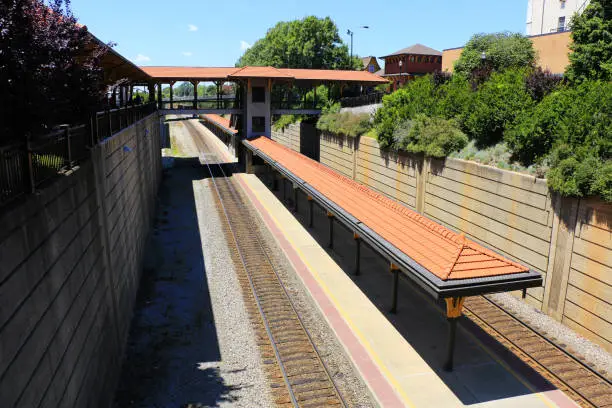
(344, 123)
(502, 51)
(591, 56)
(540, 83)
(285, 120)
(495, 105)
(416, 97)
(454, 99)
(434, 137)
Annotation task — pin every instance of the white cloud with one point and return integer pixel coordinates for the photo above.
(192, 27)
(188, 53)
(244, 45)
(142, 58)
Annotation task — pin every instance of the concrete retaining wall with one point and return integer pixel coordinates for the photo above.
(289, 136)
(71, 261)
(569, 241)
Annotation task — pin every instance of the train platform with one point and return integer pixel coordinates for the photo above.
(399, 368)
(399, 356)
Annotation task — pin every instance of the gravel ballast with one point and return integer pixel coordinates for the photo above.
(191, 341)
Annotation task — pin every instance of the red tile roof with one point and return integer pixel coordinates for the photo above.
(210, 73)
(444, 253)
(204, 74)
(220, 121)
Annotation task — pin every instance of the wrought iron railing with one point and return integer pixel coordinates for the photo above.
(223, 103)
(362, 100)
(26, 166)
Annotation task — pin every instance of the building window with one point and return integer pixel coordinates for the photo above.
(259, 94)
(371, 68)
(562, 4)
(412, 58)
(561, 25)
(258, 124)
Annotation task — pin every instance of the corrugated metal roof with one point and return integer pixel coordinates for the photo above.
(416, 49)
(442, 252)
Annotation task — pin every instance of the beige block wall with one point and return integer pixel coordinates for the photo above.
(506, 211)
(569, 241)
(288, 137)
(392, 174)
(64, 310)
(337, 152)
(552, 51)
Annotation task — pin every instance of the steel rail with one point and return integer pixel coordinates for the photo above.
(234, 193)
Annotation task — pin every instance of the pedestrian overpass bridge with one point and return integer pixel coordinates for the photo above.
(258, 92)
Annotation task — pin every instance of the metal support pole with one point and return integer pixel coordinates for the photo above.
(171, 95)
(284, 190)
(68, 148)
(330, 241)
(295, 199)
(395, 271)
(195, 95)
(159, 96)
(310, 212)
(453, 313)
(450, 352)
(274, 181)
(357, 253)
(31, 185)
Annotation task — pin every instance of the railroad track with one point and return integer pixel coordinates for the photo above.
(564, 371)
(298, 375)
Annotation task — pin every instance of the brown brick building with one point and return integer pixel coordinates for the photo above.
(410, 62)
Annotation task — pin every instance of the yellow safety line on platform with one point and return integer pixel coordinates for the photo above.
(361, 337)
(355, 330)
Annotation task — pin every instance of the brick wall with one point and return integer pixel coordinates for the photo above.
(71, 258)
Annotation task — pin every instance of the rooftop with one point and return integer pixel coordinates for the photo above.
(416, 49)
(442, 252)
(227, 73)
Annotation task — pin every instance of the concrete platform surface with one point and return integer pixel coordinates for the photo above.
(398, 371)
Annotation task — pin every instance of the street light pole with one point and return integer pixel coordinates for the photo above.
(349, 32)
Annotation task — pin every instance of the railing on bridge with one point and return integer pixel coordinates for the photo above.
(224, 102)
(26, 166)
(362, 100)
(296, 104)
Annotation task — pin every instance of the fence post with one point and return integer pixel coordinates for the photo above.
(110, 123)
(68, 148)
(29, 171)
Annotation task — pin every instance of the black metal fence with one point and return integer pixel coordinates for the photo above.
(362, 100)
(26, 166)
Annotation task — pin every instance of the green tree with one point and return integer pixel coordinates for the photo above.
(418, 96)
(307, 43)
(434, 137)
(591, 56)
(502, 51)
(495, 105)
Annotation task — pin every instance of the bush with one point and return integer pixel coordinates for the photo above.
(454, 99)
(344, 123)
(434, 137)
(591, 56)
(502, 51)
(285, 120)
(495, 105)
(540, 83)
(571, 129)
(416, 97)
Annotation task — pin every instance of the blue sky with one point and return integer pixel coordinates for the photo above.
(214, 33)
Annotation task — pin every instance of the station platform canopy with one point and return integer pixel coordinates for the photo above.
(170, 74)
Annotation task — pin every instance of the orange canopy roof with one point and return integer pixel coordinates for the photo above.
(220, 121)
(219, 73)
(210, 73)
(442, 252)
